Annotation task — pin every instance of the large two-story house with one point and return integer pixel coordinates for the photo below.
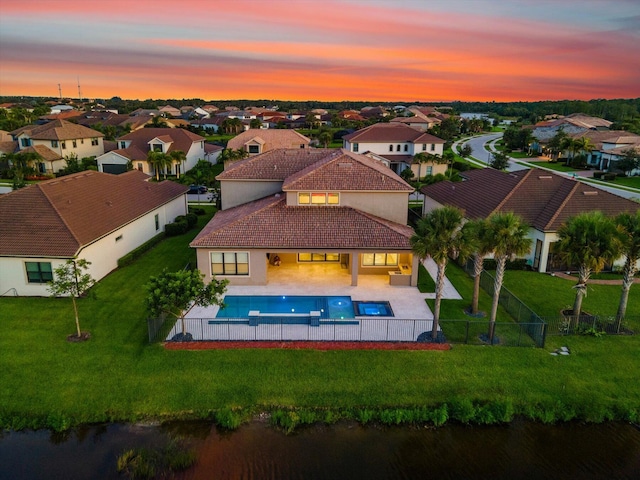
(57, 140)
(135, 146)
(257, 141)
(396, 145)
(308, 206)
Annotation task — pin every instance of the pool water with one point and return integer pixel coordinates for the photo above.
(239, 306)
(373, 309)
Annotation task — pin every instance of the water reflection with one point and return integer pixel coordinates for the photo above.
(256, 451)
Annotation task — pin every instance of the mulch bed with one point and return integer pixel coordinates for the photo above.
(304, 345)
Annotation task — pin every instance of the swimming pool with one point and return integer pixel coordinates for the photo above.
(239, 306)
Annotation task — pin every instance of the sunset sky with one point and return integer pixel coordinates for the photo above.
(393, 50)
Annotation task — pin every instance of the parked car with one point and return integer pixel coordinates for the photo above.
(195, 189)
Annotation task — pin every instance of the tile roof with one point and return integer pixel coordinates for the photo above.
(45, 152)
(8, 146)
(270, 223)
(346, 171)
(543, 199)
(391, 132)
(60, 130)
(598, 137)
(57, 217)
(182, 139)
(273, 165)
(271, 138)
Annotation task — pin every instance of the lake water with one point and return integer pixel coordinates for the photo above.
(342, 451)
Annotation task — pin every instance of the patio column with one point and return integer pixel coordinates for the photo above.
(354, 261)
(415, 263)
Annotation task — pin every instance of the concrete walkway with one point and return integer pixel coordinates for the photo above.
(449, 292)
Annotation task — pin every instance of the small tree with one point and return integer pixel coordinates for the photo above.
(174, 292)
(499, 160)
(466, 150)
(71, 279)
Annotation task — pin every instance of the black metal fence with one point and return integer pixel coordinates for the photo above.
(475, 332)
(521, 313)
(589, 325)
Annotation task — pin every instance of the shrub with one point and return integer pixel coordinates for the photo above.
(462, 410)
(609, 176)
(461, 166)
(598, 174)
(176, 228)
(197, 210)
(134, 254)
(192, 220)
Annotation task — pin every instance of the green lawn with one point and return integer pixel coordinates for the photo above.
(557, 166)
(633, 182)
(118, 376)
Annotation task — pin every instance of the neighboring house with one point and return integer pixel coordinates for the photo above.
(209, 123)
(90, 215)
(308, 206)
(609, 147)
(257, 141)
(424, 123)
(576, 123)
(135, 146)
(396, 145)
(543, 199)
(61, 139)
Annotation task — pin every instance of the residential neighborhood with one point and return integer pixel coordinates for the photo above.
(387, 239)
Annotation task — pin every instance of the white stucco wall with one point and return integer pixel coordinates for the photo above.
(382, 148)
(103, 254)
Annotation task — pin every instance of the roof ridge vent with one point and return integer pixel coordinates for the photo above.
(545, 177)
(590, 192)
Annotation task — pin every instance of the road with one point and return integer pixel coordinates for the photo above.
(481, 150)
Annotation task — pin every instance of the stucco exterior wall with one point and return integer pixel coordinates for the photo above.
(82, 149)
(103, 254)
(236, 193)
(257, 266)
(382, 148)
(420, 170)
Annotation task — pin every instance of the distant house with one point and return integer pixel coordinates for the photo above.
(90, 215)
(576, 123)
(135, 146)
(257, 141)
(543, 199)
(308, 206)
(396, 145)
(608, 146)
(56, 140)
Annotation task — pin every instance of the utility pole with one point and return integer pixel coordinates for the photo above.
(60, 92)
(79, 91)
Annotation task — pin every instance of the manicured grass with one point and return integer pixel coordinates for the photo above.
(524, 155)
(557, 166)
(118, 376)
(633, 182)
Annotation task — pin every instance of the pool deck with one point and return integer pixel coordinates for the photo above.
(412, 316)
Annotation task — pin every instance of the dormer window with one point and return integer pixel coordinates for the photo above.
(254, 149)
(123, 144)
(157, 147)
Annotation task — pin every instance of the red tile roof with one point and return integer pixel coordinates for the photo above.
(348, 171)
(270, 138)
(58, 130)
(391, 132)
(543, 199)
(182, 139)
(274, 165)
(45, 152)
(270, 223)
(58, 217)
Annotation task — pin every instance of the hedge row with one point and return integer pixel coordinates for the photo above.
(134, 254)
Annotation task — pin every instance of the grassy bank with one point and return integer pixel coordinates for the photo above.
(118, 376)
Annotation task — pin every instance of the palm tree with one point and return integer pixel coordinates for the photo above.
(439, 235)
(481, 246)
(629, 228)
(508, 235)
(589, 241)
(325, 138)
(180, 157)
(158, 161)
